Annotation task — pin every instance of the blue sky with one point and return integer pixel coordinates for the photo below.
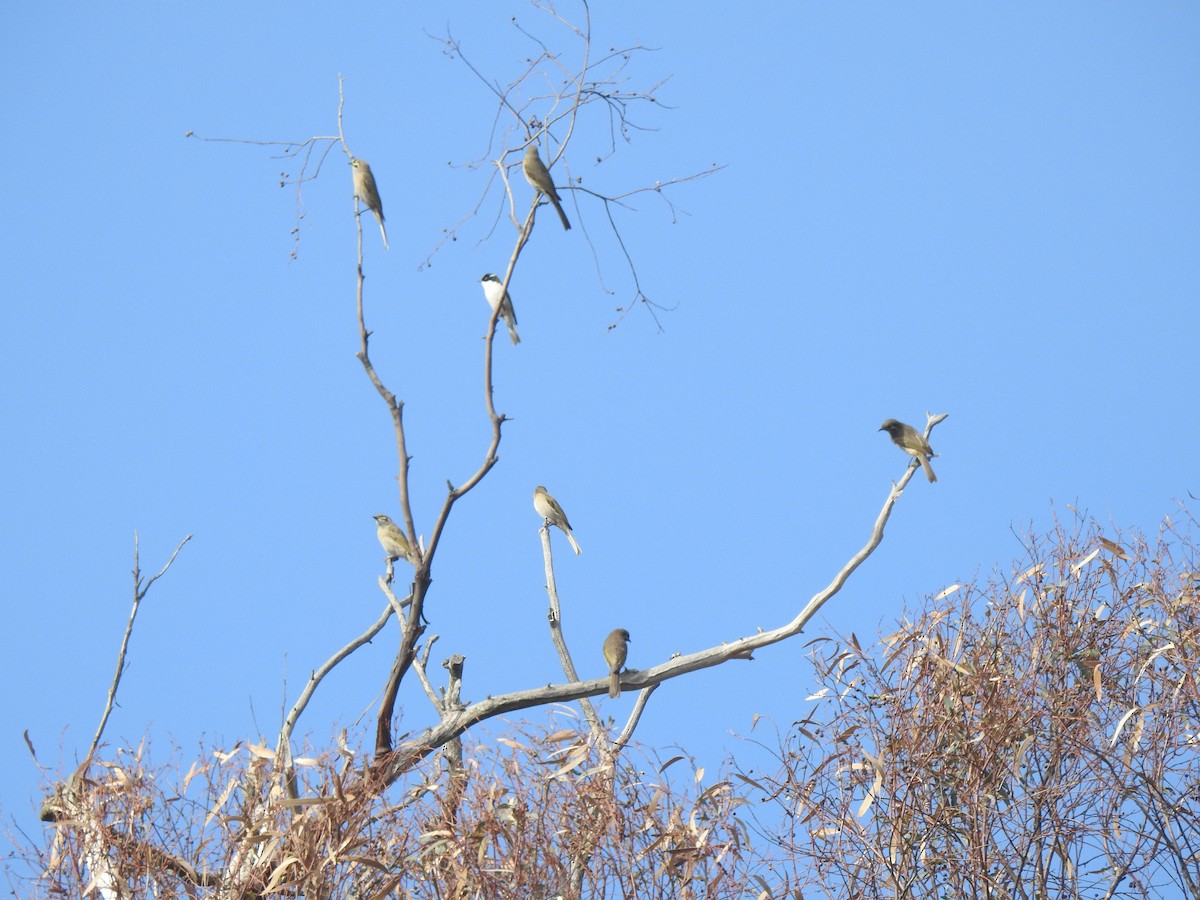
(991, 211)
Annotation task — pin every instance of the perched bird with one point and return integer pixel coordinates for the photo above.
(538, 175)
(366, 191)
(911, 442)
(615, 649)
(548, 508)
(492, 292)
(394, 543)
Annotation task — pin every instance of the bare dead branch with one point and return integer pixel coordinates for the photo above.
(554, 617)
(283, 746)
(139, 594)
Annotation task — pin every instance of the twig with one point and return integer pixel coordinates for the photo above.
(139, 594)
(635, 716)
(283, 747)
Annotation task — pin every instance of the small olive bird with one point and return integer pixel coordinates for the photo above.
(911, 442)
(392, 539)
(615, 649)
(538, 176)
(492, 293)
(547, 507)
(366, 191)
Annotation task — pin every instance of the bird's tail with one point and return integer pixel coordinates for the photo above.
(928, 468)
(574, 543)
(614, 684)
(512, 333)
(562, 216)
(382, 230)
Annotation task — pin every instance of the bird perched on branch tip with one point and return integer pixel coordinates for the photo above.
(547, 507)
(392, 539)
(911, 442)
